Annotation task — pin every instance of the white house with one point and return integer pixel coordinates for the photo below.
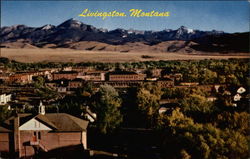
(4, 99)
(162, 110)
(237, 97)
(62, 89)
(211, 99)
(241, 90)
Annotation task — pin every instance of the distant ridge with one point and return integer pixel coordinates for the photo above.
(75, 35)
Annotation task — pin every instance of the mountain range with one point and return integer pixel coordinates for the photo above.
(77, 35)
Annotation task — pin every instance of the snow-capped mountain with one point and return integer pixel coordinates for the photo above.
(73, 30)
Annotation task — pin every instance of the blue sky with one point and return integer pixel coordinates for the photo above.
(228, 16)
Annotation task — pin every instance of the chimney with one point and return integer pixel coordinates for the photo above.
(41, 108)
(16, 125)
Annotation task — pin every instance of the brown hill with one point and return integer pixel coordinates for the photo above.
(17, 44)
(167, 46)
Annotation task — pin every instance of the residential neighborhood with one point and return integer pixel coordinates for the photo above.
(117, 112)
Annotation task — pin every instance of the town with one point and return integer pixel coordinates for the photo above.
(127, 108)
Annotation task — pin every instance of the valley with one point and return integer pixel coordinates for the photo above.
(72, 55)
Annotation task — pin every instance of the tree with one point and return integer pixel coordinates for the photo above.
(222, 79)
(148, 97)
(236, 121)
(4, 113)
(232, 79)
(197, 106)
(39, 82)
(208, 77)
(184, 136)
(106, 105)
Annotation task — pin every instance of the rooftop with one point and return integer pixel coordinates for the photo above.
(57, 121)
(123, 73)
(66, 72)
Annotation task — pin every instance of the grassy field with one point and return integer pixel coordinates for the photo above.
(70, 55)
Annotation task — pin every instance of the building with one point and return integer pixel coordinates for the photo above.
(4, 77)
(76, 83)
(61, 89)
(120, 84)
(189, 84)
(92, 76)
(52, 84)
(125, 76)
(211, 99)
(4, 99)
(20, 78)
(241, 90)
(69, 75)
(165, 83)
(237, 97)
(162, 110)
(25, 135)
(175, 76)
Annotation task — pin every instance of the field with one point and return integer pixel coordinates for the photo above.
(70, 55)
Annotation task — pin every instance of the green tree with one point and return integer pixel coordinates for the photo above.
(222, 79)
(201, 140)
(208, 77)
(238, 121)
(232, 79)
(106, 104)
(148, 97)
(39, 82)
(4, 113)
(197, 107)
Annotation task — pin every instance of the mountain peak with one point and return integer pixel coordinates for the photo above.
(71, 23)
(47, 27)
(183, 29)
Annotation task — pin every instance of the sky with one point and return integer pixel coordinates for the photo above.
(228, 16)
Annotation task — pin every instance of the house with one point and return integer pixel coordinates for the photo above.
(119, 84)
(151, 79)
(211, 98)
(4, 99)
(62, 89)
(126, 76)
(20, 78)
(216, 87)
(67, 69)
(47, 74)
(168, 101)
(52, 84)
(162, 110)
(69, 75)
(241, 90)
(189, 84)
(76, 83)
(92, 76)
(4, 77)
(25, 135)
(237, 97)
(165, 83)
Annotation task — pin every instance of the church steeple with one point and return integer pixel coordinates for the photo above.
(41, 108)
